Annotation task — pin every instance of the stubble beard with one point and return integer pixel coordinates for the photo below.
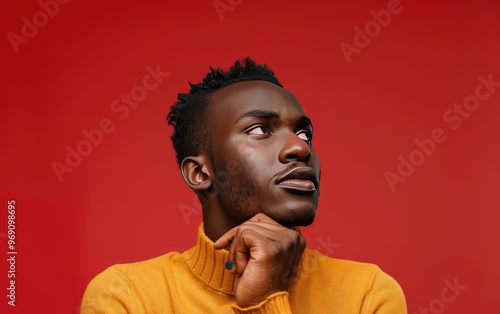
(241, 194)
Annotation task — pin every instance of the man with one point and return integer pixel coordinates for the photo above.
(244, 146)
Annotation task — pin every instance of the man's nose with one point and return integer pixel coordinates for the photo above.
(294, 148)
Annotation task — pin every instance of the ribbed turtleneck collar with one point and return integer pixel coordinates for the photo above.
(207, 264)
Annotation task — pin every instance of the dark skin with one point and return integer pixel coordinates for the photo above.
(262, 145)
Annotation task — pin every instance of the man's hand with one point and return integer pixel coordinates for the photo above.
(265, 256)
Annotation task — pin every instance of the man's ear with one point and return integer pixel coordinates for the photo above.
(195, 172)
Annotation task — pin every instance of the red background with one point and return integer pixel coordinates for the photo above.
(121, 203)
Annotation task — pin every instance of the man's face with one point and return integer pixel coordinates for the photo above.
(262, 140)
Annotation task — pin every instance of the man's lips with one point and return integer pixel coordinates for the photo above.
(299, 178)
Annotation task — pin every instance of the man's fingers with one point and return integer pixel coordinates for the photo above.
(228, 237)
(246, 236)
(240, 250)
(252, 239)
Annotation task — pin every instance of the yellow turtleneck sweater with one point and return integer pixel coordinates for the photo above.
(196, 281)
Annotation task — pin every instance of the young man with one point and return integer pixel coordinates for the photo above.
(244, 146)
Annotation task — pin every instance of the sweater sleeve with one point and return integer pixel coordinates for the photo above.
(276, 303)
(385, 297)
(109, 292)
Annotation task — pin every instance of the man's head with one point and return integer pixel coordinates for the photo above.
(244, 146)
(190, 114)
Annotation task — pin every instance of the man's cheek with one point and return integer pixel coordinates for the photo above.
(233, 168)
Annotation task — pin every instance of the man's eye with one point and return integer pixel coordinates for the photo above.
(304, 135)
(259, 130)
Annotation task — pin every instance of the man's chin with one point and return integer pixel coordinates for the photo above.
(297, 221)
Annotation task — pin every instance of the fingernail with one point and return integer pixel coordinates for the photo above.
(229, 265)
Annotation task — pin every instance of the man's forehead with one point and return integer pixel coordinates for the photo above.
(241, 97)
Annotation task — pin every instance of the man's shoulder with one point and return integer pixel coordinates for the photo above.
(343, 271)
(141, 273)
(126, 287)
(145, 268)
(338, 264)
(362, 283)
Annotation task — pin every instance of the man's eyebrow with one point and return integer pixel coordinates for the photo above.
(303, 120)
(259, 114)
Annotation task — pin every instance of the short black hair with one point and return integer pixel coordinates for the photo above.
(189, 114)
